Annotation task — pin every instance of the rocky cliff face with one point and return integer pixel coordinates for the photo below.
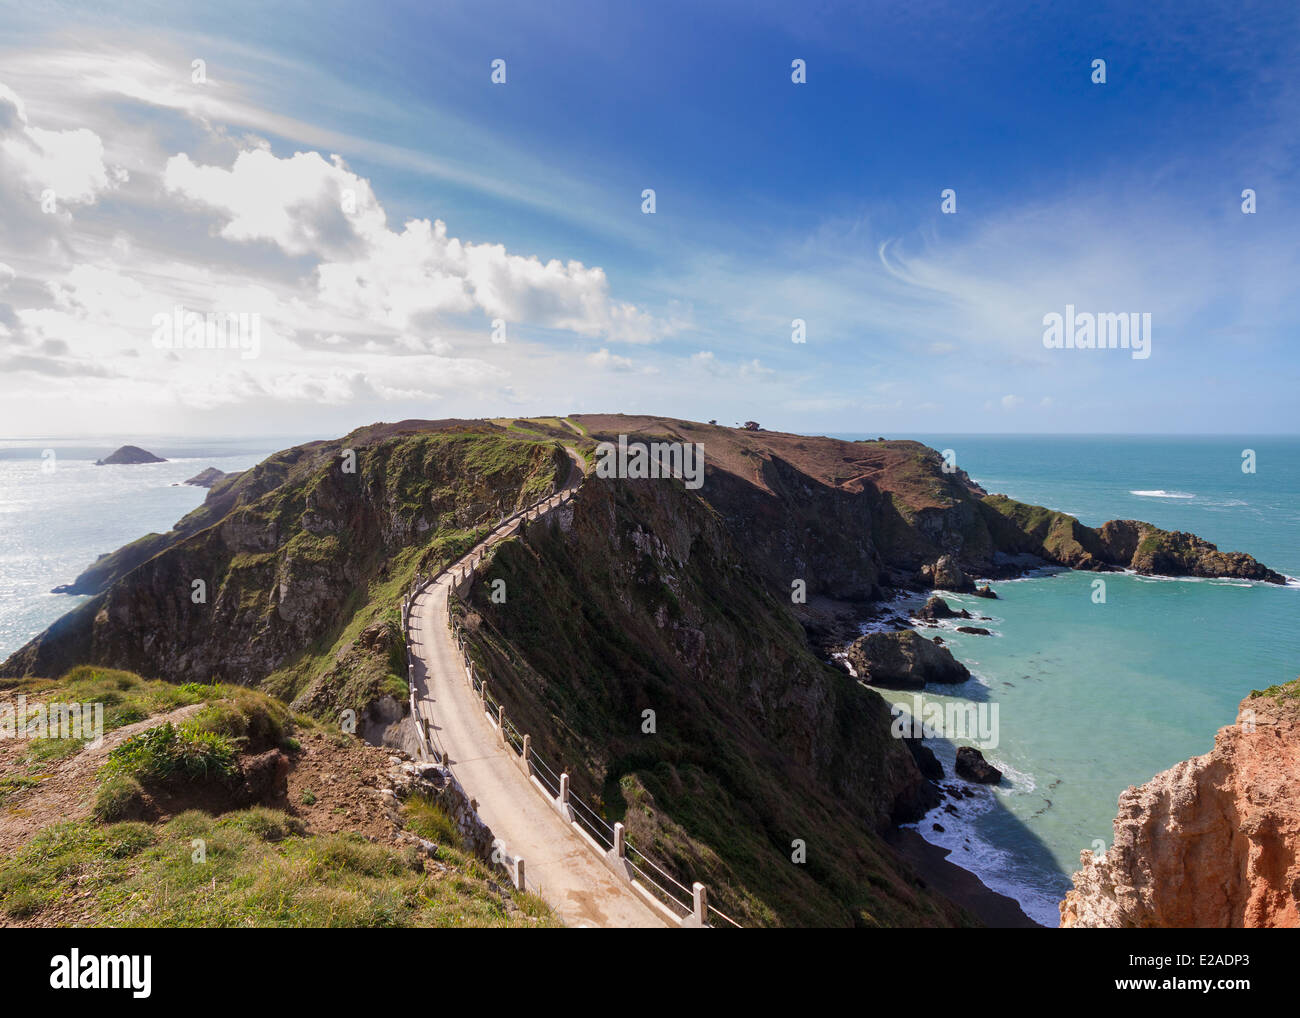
(291, 564)
(639, 597)
(1211, 842)
(1119, 544)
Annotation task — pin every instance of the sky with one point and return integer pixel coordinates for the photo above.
(402, 236)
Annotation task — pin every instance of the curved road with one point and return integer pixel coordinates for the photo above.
(558, 864)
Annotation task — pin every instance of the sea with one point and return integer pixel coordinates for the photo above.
(1091, 695)
(59, 512)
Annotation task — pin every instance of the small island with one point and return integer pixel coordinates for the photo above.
(206, 478)
(129, 455)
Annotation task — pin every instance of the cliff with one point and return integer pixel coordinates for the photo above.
(643, 595)
(1211, 842)
(1119, 544)
(293, 569)
(639, 597)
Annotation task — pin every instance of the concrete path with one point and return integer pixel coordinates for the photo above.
(558, 864)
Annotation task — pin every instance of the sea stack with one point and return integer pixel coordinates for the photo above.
(129, 455)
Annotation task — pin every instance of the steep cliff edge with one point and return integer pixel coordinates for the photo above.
(630, 635)
(1211, 842)
(293, 573)
(640, 595)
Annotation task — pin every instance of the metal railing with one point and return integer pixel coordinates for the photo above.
(652, 880)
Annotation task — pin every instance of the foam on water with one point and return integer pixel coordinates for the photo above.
(1094, 698)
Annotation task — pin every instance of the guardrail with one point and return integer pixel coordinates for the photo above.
(685, 906)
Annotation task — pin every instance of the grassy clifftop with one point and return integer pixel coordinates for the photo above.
(217, 806)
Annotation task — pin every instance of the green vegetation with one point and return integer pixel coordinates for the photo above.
(169, 751)
(126, 697)
(1057, 536)
(1282, 692)
(256, 868)
(249, 867)
(596, 630)
(116, 796)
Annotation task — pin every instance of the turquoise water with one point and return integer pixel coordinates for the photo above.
(1092, 697)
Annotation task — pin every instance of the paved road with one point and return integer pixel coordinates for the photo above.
(558, 864)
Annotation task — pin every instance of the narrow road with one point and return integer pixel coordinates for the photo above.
(558, 864)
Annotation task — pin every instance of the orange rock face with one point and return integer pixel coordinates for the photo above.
(1211, 842)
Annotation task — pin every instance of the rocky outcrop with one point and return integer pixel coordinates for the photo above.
(437, 784)
(937, 608)
(947, 574)
(1152, 551)
(903, 660)
(129, 455)
(207, 478)
(1211, 842)
(1059, 538)
(108, 567)
(926, 761)
(367, 676)
(972, 766)
(226, 494)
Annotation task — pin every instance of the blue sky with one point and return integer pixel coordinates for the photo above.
(775, 201)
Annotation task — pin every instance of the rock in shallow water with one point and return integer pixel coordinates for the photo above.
(903, 660)
(972, 766)
(938, 608)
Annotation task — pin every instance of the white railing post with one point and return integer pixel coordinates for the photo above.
(501, 722)
(519, 873)
(620, 841)
(528, 748)
(566, 810)
(701, 896)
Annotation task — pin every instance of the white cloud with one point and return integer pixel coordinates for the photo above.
(69, 163)
(303, 204)
(308, 206)
(602, 358)
(745, 371)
